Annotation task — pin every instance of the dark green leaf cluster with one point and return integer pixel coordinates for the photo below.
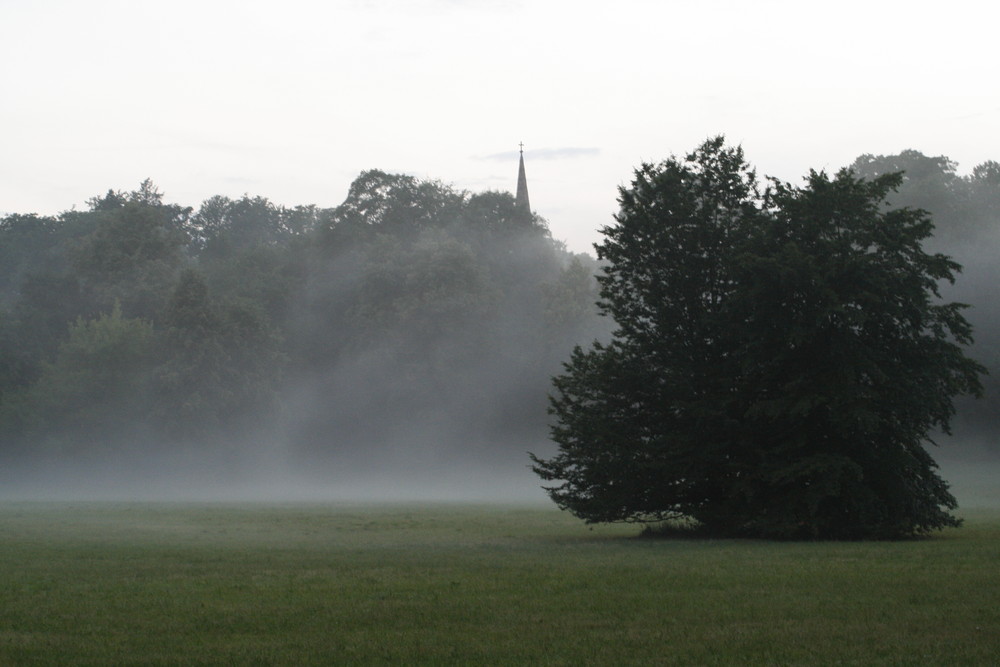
(780, 362)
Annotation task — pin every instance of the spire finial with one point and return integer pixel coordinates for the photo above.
(522, 147)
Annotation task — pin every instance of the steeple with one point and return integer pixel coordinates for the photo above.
(521, 199)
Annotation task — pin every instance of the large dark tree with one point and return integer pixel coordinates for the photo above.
(780, 362)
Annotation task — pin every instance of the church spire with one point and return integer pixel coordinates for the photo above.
(521, 199)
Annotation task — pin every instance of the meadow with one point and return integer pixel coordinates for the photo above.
(464, 584)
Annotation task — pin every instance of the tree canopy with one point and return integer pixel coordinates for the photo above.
(412, 317)
(781, 359)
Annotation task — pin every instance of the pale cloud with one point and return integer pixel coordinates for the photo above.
(565, 153)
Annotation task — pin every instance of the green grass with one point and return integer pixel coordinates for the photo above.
(177, 584)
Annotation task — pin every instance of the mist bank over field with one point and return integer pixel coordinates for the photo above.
(398, 346)
(216, 481)
(971, 471)
(973, 477)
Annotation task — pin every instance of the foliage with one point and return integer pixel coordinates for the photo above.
(219, 366)
(95, 388)
(223, 227)
(412, 305)
(26, 241)
(414, 294)
(395, 204)
(568, 300)
(134, 251)
(779, 364)
(966, 213)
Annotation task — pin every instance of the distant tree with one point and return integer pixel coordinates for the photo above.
(966, 214)
(48, 302)
(396, 204)
(497, 214)
(984, 201)
(928, 183)
(38, 285)
(26, 244)
(779, 365)
(413, 295)
(435, 307)
(219, 364)
(15, 364)
(250, 250)
(134, 251)
(95, 388)
(224, 227)
(570, 301)
(987, 172)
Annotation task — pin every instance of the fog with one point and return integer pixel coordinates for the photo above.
(399, 347)
(216, 481)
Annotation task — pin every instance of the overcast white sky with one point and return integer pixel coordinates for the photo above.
(291, 99)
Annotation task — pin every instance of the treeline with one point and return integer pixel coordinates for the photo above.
(966, 214)
(412, 320)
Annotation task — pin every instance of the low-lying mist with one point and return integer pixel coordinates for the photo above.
(402, 475)
(398, 347)
(166, 479)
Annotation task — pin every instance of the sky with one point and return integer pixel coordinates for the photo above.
(291, 100)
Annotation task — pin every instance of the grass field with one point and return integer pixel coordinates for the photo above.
(245, 584)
